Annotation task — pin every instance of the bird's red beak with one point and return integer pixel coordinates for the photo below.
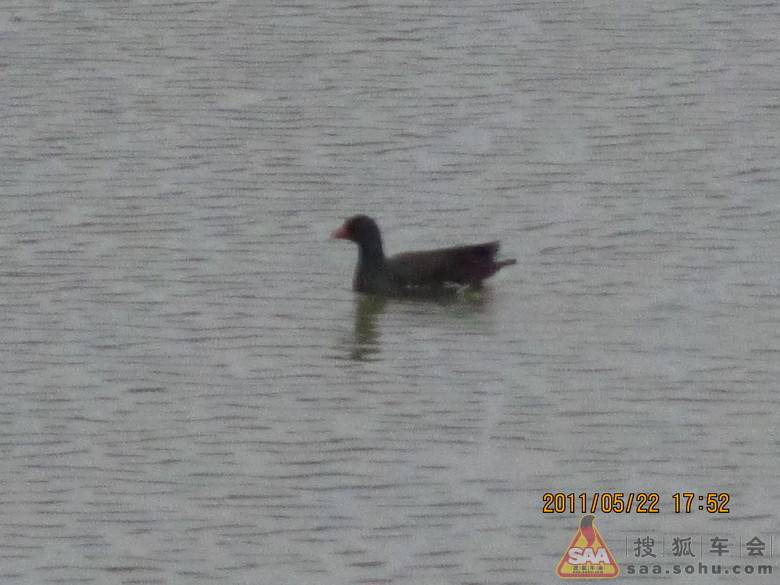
(341, 234)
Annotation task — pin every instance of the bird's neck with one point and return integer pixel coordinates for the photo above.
(371, 254)
(372, 274)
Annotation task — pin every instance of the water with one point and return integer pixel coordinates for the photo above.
(193, 394)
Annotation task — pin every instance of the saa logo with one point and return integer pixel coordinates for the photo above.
(588, 555)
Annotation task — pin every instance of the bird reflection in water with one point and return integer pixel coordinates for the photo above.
(365, 347)
(366, 342)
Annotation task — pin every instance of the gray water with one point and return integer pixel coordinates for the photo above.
(193, 394)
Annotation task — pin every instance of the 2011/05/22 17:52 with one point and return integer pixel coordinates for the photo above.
(637, 502)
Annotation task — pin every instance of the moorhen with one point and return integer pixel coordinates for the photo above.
(412, 272)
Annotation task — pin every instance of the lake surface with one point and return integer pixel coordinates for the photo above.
(193, 394)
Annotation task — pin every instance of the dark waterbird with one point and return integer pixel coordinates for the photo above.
(416, 272)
